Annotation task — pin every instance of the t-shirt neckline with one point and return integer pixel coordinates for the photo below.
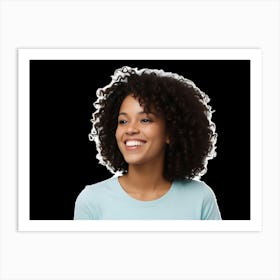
(144, 202)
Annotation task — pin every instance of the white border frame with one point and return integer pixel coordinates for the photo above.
(254, 55)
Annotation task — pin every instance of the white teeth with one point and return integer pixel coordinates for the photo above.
(132, 143)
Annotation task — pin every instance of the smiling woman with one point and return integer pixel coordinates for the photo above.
(153, 130)
(141, 137)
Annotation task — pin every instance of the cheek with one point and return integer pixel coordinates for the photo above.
(118, 134)
(158, 133)
(117, 139)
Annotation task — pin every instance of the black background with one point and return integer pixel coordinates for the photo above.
(63, 160)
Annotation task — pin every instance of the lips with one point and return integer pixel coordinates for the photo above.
(134, 143)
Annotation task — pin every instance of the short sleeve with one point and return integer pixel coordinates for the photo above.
(85, 208)
(210, 209)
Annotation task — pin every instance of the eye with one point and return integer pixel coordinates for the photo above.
(122, 122)
(146, 120)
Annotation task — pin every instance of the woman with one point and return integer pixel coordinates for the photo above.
(153, 130)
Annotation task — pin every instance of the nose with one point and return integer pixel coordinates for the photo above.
(132, 128)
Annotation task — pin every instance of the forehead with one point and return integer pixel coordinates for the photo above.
(132, 103)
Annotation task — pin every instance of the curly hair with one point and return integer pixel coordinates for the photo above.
(184, 107)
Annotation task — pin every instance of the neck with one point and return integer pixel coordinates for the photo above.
(145, 178)
(144, 183)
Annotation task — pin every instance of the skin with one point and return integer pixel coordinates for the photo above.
(144, 180)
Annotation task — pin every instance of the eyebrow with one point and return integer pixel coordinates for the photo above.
(139, 113)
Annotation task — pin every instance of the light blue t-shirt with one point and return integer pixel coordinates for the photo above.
(185, 200)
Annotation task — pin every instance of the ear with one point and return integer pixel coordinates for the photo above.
(167, 141)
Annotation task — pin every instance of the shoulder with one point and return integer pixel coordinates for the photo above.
(193, 186)
(97, 189)
(200, 194)
(194, 189)
(89, 201)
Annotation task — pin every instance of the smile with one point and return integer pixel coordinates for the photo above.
(134, 143)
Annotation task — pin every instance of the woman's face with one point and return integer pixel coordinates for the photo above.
(141, 137)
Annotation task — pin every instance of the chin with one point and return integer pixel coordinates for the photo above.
(134, 162)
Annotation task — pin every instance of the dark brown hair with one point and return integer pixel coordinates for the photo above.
(184, 107)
